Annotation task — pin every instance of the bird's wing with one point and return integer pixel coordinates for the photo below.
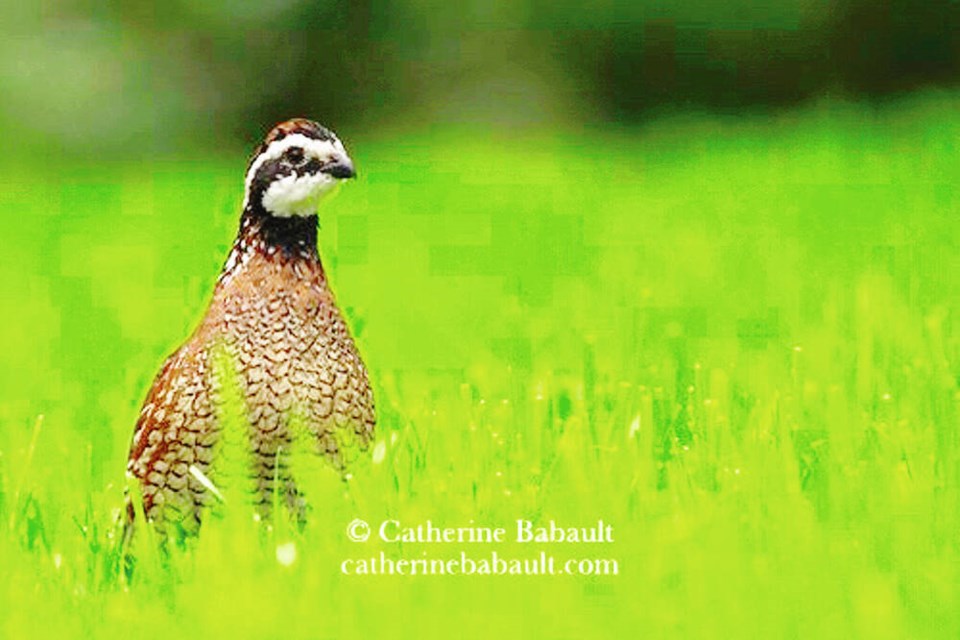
(340, 404)
(177, 429)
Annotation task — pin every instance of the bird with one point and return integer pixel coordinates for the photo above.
(273, 320)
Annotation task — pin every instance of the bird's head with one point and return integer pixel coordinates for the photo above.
(297, 164)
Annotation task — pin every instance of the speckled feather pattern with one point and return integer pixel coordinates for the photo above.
(275, 317)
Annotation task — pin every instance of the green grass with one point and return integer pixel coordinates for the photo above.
(734, 340)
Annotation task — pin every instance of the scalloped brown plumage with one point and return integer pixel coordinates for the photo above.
(291, 354)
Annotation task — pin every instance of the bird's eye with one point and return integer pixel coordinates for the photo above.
(294, 155)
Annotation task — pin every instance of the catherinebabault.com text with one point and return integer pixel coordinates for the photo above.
(414, 549)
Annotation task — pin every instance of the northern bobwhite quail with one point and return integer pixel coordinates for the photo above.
(287, 345)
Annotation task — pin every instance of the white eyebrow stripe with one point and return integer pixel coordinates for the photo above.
(311, 147)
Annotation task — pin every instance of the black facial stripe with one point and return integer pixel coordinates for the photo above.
(294, 155)
(312, 165)
(268, 172)
(275, 169)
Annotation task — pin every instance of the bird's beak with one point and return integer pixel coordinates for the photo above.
(341, 168)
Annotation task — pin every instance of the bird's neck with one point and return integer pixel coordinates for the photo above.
(291, 241)
(293, 237)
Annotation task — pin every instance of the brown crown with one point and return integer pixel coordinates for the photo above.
(302, 126)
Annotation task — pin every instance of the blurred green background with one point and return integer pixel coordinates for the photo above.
(687, 267)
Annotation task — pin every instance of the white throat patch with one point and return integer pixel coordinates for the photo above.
(295, 195)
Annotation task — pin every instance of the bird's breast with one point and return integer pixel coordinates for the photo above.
(289, 341)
